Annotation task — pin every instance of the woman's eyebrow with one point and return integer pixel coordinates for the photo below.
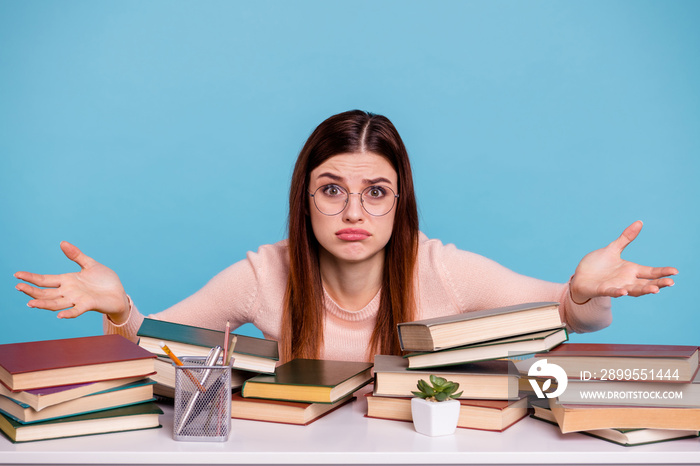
(365, 181)
(381, 179)
(331, 176)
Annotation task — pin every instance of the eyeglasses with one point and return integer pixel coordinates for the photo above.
(331, 199)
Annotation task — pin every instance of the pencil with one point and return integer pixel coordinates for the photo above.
(230, 350)
(227, 335)
(177, 361)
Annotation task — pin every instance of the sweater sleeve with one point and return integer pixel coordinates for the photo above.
(481, 283)
(231, 295)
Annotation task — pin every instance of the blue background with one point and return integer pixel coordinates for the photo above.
(160, 136)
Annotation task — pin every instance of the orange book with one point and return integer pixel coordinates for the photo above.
(51, 363)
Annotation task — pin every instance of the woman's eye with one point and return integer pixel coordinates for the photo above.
(333, 190)
(376, 192)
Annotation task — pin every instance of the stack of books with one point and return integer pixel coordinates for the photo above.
(249, 355)
(76, 386)
(470, 349)
(628, 394)
(301, 391)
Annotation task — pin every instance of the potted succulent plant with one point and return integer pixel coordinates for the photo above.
(435, 408)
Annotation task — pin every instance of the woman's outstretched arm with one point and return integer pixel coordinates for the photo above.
(232, 295)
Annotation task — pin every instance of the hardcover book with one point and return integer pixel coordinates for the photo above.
(492, 380)
(310, 380)
(635, 363)
(40, 398)
(478, 326)
(249, 353)
(575, 418)
(495, 349)
(50, 363)
(493, 415)
(625, 437)
(137, 392)
(285, 412)
(139, 416)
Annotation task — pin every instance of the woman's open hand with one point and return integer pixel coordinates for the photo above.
(95, 288)
(604, 273)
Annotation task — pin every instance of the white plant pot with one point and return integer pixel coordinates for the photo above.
(435, 418)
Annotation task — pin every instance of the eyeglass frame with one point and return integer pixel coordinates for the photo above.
(347, 200)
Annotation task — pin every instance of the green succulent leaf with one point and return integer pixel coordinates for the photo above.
(442, 396)
(456, 395)
(437, 381)
(424, 387)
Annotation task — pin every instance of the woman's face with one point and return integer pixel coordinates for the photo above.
(353, 235)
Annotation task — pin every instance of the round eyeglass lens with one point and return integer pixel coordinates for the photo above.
(378, 200)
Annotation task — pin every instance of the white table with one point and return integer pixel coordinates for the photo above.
(347, 437)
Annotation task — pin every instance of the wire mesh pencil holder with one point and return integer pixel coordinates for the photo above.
(202, 401)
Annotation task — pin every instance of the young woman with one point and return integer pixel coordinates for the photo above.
(355, 263)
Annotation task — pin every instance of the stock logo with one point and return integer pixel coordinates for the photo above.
(543, 369)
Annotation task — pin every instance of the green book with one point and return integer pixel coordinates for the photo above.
(249, 353)
(133, 417)
(310, 381)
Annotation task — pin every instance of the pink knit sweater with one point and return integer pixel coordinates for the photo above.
(449, 280)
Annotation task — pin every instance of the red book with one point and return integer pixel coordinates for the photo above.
(50, 363)
(625, 362)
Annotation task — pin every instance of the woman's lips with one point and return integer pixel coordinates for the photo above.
(352, 234)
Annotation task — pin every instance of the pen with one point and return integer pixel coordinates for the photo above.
(177, 361)
(227, 335)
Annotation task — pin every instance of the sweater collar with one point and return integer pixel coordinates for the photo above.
(367, 312)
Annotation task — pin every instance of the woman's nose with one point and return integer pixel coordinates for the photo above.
(354, 211)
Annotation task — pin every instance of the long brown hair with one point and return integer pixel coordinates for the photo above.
(302, 324)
